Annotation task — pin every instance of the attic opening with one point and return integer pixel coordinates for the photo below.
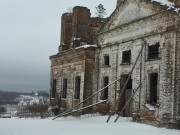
(77, 87)
(153, 85)
(153, 51)
(126, 57)
(64, 93)
(104, 93)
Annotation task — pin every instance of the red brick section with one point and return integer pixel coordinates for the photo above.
(94, 24)
(77, 24)
(81, 17)
(80, 25)
(177, 3)
(66, 30)
(71, 57)
(89, 71)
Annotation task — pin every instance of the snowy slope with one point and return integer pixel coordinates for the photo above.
(30, 100)
(85, 126)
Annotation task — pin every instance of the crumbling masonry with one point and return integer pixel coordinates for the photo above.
(72, 68)
(80, 68)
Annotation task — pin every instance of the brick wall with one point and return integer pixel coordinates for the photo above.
(72, 63)
(81, 18)
(79, 26)
(66, 30)
(129, 30)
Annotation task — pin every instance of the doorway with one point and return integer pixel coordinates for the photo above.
(153, 80)
(126, 95)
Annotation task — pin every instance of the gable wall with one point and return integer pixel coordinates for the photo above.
(158, 27)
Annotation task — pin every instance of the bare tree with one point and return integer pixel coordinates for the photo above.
(70, 10)
(2, 109)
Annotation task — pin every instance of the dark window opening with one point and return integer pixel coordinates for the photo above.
(84, 39)
(76, 43)
(123, 81)
(77, 87)
(153, 88)
(53, 88)
(104, 93)
(126, 95)
(126, 57)
(153, 51)
(64, 94)
(129, 84)
(106, 60)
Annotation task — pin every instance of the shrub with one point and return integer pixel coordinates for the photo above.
(2, 109)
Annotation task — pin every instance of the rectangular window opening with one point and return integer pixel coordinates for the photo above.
(124, 78)
(104, 93)
(76, 43)
(153, 51)
(126, 57)
(64, 94)
(53, 88)
(153, 80)
(106, 60)
(77, 87)
(129, 84)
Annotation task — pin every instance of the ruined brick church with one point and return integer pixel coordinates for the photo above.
(133, 56)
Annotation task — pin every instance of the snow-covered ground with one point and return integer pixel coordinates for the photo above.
(79, 126)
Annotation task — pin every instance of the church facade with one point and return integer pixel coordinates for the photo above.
(137, 54)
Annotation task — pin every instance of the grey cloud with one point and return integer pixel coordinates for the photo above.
(29, 34)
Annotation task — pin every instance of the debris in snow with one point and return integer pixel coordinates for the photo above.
(150, 107)
(177, 117)
(177, 9)
(86, 46)
(53, 110)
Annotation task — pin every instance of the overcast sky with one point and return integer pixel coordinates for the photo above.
(29, 34)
